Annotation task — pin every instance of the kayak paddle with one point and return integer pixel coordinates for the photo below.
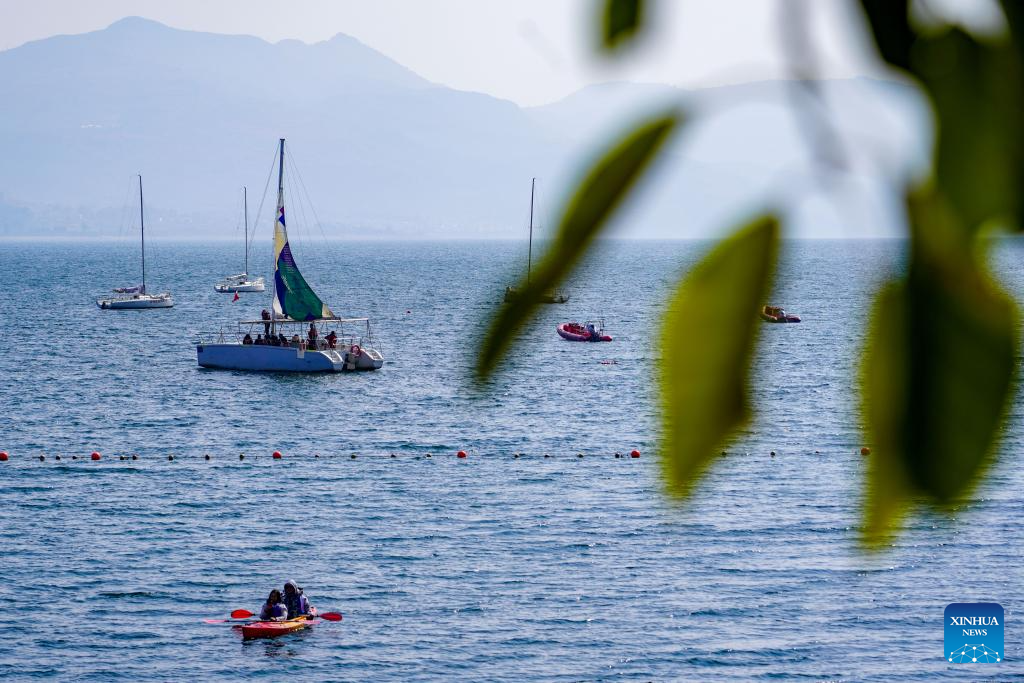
(246, 614)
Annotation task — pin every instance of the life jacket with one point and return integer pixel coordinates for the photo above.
(296, 603)
(273, 611)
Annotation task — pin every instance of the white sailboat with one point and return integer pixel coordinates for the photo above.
(242, 282)
(299, 333)
(511, 293)
(136, 298)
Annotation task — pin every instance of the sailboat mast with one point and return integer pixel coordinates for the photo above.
(142, 226)
(280, 206)
(245, 211)
(529, 253)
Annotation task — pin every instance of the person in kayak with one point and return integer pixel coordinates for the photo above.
(274, 609)
(295, 601)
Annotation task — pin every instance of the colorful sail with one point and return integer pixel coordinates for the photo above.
(293, 297)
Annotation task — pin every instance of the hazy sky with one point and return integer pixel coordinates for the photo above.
(528, 51)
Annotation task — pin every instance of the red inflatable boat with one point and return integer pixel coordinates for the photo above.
(591, 331)
(774, 314)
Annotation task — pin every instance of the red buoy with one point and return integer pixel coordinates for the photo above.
(460, 454)
(277, 455)
(3, 456)
(95, 456)
(634, 453)
(865, 451)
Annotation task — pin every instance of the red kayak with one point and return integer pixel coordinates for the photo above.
(273, 629)
(587, 332)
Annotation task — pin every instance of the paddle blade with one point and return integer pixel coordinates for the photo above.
(331, 616)
(241, 614)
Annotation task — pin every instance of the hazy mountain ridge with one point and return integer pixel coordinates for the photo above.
(381, 150)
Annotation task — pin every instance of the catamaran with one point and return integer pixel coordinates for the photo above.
(242, 282)
(511, 293)
(299, 333)
(131, 298)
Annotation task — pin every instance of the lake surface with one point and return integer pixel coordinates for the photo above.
(490, 568)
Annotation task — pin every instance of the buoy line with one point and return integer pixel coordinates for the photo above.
(461, 454)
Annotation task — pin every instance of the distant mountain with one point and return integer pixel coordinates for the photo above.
(381, 151)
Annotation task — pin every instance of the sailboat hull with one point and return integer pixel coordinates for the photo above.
(227, 288)
(136, 303)
(258, 358)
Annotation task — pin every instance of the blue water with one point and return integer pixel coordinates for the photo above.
(489, 568)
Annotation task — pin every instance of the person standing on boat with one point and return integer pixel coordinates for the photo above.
(295, 601)
(312, 335)
(274, 609)
(265, 314)
(332, 338)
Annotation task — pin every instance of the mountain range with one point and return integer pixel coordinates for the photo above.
(382, 152)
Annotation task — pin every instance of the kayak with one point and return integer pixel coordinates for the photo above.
(273, 629)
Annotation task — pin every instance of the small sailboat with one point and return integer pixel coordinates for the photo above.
(242, 282)
(299, 333)
(134, 298)
(548, 297)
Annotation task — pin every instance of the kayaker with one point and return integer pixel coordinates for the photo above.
(295, 601)
(274, 609)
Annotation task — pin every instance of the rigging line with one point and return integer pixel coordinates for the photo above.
(309, 199)
(124, 208)
(312, 252)
(259, 211)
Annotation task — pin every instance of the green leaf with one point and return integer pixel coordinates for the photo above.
(938, 373)
(978, 92)
(597, 197)
(621, 21)
(706, 344)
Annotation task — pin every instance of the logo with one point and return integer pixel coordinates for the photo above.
(974, 633)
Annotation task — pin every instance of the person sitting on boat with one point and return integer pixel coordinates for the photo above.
(265, 314)
(295, 601)
(332, 339)
(259, 340)
(312, 335)
(247, 339)
(592, 333)
(281, 339)
(274, 609)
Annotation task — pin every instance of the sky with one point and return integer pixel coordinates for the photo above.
(528, 51)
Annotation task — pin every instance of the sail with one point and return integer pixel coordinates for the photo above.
(293, 297)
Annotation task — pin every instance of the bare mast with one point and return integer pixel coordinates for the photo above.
(529, 253)
(142, 225)
(245, 211)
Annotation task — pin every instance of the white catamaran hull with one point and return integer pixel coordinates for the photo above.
(139, 302)
(285, 358)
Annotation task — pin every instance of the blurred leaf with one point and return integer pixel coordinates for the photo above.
(706, 344)
(938, 372)
(600, 193)
(890, 24)
(621, 21)
(978, 92)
